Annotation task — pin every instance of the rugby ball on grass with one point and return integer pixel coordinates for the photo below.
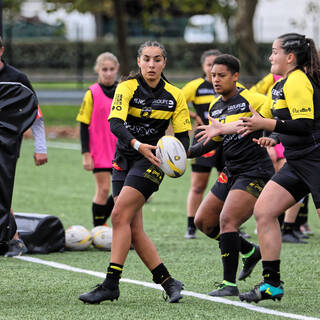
(78, 238)
(102, 237)
(172, 155)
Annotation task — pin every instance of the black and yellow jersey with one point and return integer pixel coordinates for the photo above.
(295, 97)
(241, 154)
(147, 112)
(201, 93)
(264, 86)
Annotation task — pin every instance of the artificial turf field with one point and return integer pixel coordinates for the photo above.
(62, 188)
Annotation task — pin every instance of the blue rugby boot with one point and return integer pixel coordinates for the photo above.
(263, 291)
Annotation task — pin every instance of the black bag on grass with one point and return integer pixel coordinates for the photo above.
(41, 233)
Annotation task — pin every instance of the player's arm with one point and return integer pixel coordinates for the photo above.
(200, 149)
(84, 117)
(40, 145)
(183, 137)
(216, 128)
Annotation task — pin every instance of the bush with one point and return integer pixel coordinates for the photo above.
(66, 55)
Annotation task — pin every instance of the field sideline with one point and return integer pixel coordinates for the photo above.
(62, 188)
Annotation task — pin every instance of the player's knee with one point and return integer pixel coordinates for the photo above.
(198, 223)
(103, 192)
(198, 188)
(116, 217)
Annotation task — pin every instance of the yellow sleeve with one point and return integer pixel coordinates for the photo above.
(265, 110)
(298, 92)
(121, 100)
(258, 101)
(264, 85)
(189, 90)
(86, 108)
(181, 117)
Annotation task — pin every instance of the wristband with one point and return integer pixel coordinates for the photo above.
(136, 145)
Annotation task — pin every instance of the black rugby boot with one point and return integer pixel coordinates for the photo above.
(249, 263)
(173, 289)
(101, 293)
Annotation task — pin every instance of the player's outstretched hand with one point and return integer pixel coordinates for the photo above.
(209, 131)
(250, 124)
(265, 142)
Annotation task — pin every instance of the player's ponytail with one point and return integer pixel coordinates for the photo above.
(313, 69)
(305, 52)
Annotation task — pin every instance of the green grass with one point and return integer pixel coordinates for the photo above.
(62, 188)
(60, 115)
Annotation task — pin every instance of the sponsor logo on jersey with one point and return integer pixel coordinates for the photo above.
(277, 93)
(206, 91)
(146, 112)
(223, 178)
(215, 113)
(141, 129)
(237, 107)
(118, 108)
(164, 102)
(301, 110)
(139, 101)
(117, 100)
(159, 102)
(231, 137)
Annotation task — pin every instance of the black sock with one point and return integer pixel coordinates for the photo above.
(271, 272)
(230, 246)
(160, 274)
(215, 234)
(98, 214)
(245, 246)
(302, 216)
(113, 275)
(288, 227)
(191, 223)
(109, 206)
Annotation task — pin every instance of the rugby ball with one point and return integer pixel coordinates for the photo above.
(172, 155)
(78, 238)
(102, 237)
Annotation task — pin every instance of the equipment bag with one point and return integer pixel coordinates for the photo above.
(41, 233)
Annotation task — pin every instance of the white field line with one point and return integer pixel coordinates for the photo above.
(63, 145)
(158, 287)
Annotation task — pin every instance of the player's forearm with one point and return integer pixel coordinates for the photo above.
(39, 135)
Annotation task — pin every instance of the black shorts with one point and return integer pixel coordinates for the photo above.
(95, 170)
(140, 174)
(225, 183)
(299, 177)
(212, 159)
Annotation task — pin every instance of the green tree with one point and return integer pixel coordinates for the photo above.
(241, 10)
